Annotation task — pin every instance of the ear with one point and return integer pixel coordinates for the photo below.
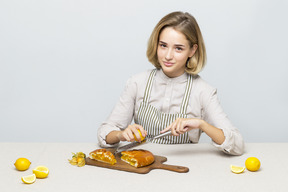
(193, 50)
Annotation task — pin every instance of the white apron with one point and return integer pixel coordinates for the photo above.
(153, 120)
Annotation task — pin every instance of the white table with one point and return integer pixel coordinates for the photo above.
(209, 169)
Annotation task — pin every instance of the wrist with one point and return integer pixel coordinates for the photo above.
(113, 137)
(202, 125)
(119, 135)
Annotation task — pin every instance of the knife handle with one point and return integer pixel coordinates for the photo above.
(162, 135)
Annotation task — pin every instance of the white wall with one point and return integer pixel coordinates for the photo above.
(64, 63)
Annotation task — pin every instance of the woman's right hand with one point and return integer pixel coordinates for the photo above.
(128, 133)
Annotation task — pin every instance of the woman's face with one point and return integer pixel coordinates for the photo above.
(173, 51)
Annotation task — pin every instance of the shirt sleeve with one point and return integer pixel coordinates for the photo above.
(121, 116)
(214, 115)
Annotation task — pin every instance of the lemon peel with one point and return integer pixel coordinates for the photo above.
(237, 169)
(41, 172)
(29, 179)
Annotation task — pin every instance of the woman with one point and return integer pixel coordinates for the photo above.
(173, 96)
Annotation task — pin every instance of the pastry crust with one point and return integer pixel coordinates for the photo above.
(138, 157)
(103, 155)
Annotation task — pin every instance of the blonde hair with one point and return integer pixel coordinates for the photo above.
(187, 25)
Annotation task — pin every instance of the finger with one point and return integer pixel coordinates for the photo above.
(129, 133)
(166, 129)
(135, 132)
(173, 128)
(184, 125)
(125, 136)
(178, 127)
(146, 133)
(142, 130)
(181, 127)
(137, 135)
(185, 129)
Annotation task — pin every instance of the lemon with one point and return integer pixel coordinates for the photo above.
(252, 164)
(29, 179)
(142, 138)
(41, 172)
(236, 169)
(22, 164)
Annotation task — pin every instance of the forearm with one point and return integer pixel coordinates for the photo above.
(113, 137)
(214, 133)
(182, 125)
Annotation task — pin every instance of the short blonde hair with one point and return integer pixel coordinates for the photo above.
(188, 26)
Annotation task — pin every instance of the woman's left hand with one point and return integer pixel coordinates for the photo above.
(182, 125)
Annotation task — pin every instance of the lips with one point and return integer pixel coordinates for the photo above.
(168, 64)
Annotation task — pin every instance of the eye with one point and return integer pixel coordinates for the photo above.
(162, 45)
(179, 49)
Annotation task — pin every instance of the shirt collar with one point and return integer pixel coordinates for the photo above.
(181, 78)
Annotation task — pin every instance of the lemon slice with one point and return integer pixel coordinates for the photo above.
(29, 179)
(41, 172)
(237, 169)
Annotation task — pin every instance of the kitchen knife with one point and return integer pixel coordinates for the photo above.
(137, 143)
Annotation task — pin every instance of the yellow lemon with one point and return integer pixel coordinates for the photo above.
(41, 172)
(252, 164)
(29, 179)
(142, 138)
(236, 169)
(22, 164)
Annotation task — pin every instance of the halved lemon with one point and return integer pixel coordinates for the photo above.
(29, 179)
(41, 172)
(237, 169)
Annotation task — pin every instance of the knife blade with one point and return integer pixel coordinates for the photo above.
(137, 143)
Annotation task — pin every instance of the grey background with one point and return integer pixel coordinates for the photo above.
(64, 63)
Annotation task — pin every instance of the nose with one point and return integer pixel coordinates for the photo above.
(169, 54)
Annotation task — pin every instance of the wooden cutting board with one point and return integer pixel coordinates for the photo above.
(122, 166)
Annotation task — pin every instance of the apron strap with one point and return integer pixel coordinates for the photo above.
(149, 86)
(186, 97)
